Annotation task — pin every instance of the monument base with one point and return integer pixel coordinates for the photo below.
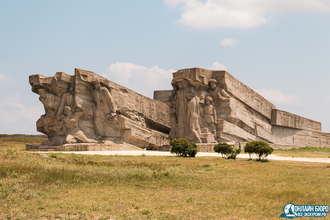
(85, 147)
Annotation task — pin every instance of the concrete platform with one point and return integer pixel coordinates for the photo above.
(107, 146)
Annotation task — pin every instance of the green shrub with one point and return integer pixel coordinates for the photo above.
(264, 152)
(222, 148)
(260, 148)
(230, 151)
(183, 148)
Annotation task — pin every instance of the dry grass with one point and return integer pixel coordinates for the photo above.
(143, 187)
(309, 152)
(70, 186)
(18, 141)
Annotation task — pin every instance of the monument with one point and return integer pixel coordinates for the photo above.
(213, 106)
(89, 112)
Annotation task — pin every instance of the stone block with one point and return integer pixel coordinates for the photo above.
(162, 95)
(286, 119)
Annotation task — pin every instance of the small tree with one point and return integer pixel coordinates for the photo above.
(264, 152)
(230, 151)
(260, 148)
(251, 148)
(183, 148)
(222, 148)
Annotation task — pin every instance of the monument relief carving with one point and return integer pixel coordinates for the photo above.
(193, 115)
(232, 112)
(69, 127)
(105, 108)
(88, 110)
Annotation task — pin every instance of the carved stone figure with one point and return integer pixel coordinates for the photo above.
(105, 107)
(181, 107)
(193, 116)
(173, 116)
(69, 126)
(218, 92)
(222, 101)
(210, 114)
(68, 99)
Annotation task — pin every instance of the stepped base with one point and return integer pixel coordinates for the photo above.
(108, 146)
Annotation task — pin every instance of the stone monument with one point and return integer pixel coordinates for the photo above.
(89, 112)
(212, 106)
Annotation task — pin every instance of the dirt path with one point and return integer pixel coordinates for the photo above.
(200, 154)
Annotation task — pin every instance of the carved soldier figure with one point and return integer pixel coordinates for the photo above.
(68, 99)
(210, 114)
(173, 116)
(181, 107)
(193, 116)
(69, 126)
(218, 92)
(222, 101)
(105, 107)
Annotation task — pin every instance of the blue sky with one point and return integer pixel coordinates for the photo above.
(279, 48)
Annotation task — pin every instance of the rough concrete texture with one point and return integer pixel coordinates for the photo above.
(87, 108)
(162, 95)
(287, 119)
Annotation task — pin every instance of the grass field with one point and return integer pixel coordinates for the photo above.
(70, 186)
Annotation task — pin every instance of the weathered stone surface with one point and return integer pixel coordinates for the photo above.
(231, 132)
(232, 101)
(286, 119)
(202, 77)
(88, 108)
(162, 95)
(245, 94)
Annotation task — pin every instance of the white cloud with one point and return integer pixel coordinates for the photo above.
(12, 101)
(277, 97)
(229, 42)
(3, 78)
(211, 14)
(218, 66)
(139, 78)
(16, 117)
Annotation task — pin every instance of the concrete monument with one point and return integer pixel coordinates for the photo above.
(89, 112)
(227, 110)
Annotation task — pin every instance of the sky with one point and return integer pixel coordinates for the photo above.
(279, 48)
